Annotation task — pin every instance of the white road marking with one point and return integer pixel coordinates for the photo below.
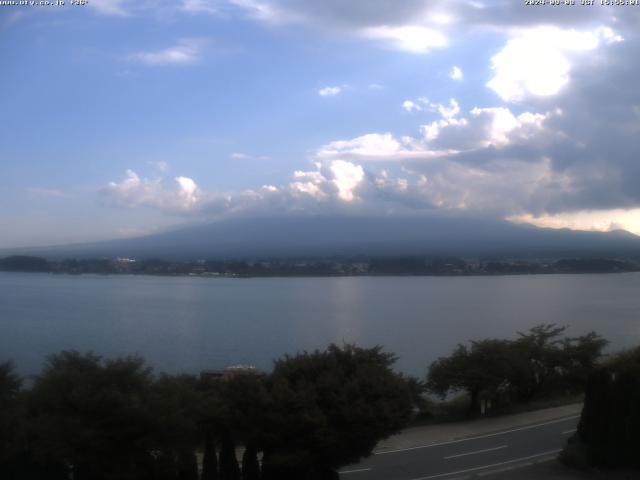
(355, 471)
(477, 451)
(559, 420)
(440, 475)
(567, 432)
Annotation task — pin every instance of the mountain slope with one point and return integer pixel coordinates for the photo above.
(333, 236)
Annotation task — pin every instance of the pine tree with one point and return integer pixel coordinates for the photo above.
(210, 459)
(250, 465)
(229, 468)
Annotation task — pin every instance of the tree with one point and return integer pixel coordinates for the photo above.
(539, 354)
(229, 468)
(329, 409)
(209, 458)
(235, 411)
(481, 370)
(537, 362)
(580, 356)
(176, 404)
(11, 419)
(93, 416)
(610, 420)
(250, 465)
(546, 363)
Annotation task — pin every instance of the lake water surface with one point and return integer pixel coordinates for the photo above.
(188, 324)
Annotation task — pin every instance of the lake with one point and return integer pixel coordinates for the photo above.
(189, 324)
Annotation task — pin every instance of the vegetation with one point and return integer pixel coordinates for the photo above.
(331, 408)
(114, 419)
(608, 430)
(495, 372)
(321, 267)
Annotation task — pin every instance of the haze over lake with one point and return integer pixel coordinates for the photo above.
(188, 324)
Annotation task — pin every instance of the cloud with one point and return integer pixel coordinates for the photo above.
(423, 104)
(371, 145)
(266, 12)
(538, 61)
(134, 191)
(332, 185)
(211, 7)
(479, 133)
(346, 177)
(161, 166)
(410, 25)
(410, 106)
(456, 74)
(559, 139)
(451, 111)
(594, 220)
(410, 38)
(186, 52)
(309, 183)
(187, 192)
(245, 156)
(329, 91)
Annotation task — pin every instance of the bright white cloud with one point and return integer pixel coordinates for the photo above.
(502, 124)
(456, 73)
(433, 130)
(370, 145)
(449, 111)
(187, 192)
(422, 103)
(410, 38)
(134, 191)
(410, 106)
(594, 220)
(308, 188)
(186, 52)
(537, 61)
(346, 177)
(329, 91)
(447, 137)
(311, 183)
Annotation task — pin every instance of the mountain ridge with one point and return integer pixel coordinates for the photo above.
(324, 236)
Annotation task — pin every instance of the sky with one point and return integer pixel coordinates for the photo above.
(122, 118)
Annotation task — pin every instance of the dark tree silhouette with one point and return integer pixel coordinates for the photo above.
(209, 458)
(610, 421)
(250, 465)
(229, 468)
(330, 408)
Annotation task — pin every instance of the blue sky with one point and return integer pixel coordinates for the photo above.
(126, 117)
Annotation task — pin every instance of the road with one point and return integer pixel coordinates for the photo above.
(467, 457)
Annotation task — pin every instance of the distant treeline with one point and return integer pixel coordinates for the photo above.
(356, 266)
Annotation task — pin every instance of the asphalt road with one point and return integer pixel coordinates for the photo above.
(467, 457)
